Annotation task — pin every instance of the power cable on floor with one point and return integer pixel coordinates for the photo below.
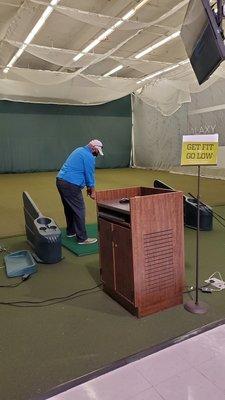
(23, 279)
(51, 301)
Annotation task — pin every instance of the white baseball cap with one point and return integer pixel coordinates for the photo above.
(96, 144)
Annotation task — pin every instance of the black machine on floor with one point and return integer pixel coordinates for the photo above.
(42, 233)
(190, 211)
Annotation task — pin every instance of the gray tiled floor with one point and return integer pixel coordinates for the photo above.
(191, 370)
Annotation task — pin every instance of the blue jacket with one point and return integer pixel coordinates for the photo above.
(79, 168)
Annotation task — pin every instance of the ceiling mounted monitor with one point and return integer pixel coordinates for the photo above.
(202, 38)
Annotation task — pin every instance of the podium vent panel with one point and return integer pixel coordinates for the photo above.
(159, 272)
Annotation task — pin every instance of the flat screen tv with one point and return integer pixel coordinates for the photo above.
(202, 39)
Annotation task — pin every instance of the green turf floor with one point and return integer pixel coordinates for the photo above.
(43, 347)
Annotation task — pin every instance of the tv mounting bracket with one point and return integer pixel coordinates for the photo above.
(219, 14)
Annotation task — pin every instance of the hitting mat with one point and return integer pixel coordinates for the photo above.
(84, 249)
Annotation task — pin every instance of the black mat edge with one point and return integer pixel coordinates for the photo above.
(127, 360)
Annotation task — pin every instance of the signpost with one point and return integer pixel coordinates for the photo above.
(198, 150)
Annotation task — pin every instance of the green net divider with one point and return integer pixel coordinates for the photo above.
(39, 137)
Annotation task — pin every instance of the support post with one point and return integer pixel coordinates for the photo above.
(195, 306)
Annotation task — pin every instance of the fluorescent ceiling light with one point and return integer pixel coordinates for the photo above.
(93, 44)
(184, 62)
(118, 23)
(78, 56)
(141, 4)
(155, 46)
(32, 34)
(163, 71)
(14, 59)
(114, 70)
(129, 14)
(109, 31)
(158, 44)
(103, 36)
(39, 24)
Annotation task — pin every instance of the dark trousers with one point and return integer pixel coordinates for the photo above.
(74, 208)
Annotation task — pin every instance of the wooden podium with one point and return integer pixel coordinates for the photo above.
(142, 247)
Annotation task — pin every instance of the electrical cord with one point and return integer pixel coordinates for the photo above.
(204, 289)
(218, 220)
(207, 207)
(51, 301)
(214, 216)
(218, 215)
(189, 291)
(24, 278)
(12, 286)
(213, 213)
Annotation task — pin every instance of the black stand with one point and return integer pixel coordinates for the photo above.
(196, 306)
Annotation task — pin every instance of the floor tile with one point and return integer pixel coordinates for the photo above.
(216, 343)
(190, 385)
(120, 384)
(219, 331)
(196, 350)
(162, 365)
(150, 394)
(214, 370)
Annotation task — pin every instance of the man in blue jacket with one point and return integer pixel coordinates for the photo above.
(77, 172)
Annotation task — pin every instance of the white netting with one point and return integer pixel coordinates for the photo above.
(106, 21)
(56, 87)
(64, 57)
(43, 78)
(60, 57)
(5, 21)
(147, 67)
(12, 3)
(166, 92)
(165, 95)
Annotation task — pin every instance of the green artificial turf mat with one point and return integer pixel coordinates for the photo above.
(84, 249)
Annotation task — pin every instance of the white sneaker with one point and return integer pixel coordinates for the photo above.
(89, 241)
(72, 235)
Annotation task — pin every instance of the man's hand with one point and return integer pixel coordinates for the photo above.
(92, 196)
(91, 192)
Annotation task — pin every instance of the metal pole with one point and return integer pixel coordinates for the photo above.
(196, 306)
(197, 238)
